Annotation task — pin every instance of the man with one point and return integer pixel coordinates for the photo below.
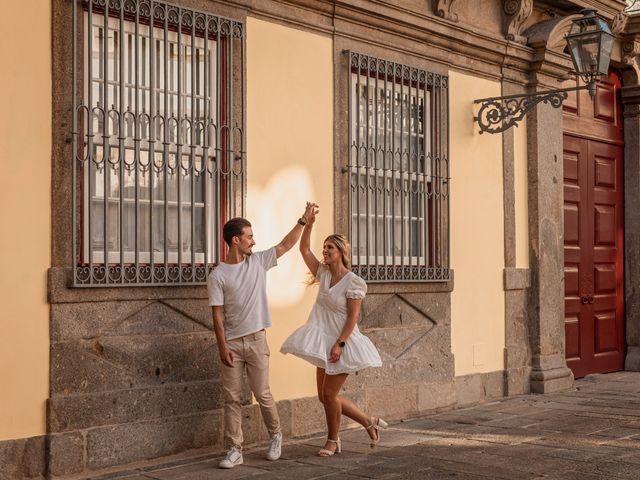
(237, 293)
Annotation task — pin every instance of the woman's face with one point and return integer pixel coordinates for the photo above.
(330, 253)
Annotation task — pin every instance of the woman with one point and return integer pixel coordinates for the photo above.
(331, 340)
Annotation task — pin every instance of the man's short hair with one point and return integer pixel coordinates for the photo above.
(233, 228)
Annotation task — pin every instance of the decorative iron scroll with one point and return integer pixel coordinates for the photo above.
(499, 114)
(172, 14)
(131, 275)
(381, 273)
(395, 72)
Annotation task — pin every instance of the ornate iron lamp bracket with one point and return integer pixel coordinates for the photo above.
(498, 114)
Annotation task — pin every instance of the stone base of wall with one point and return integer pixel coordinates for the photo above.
(550, 381)
(480, 387)
(98, 450)
(550, 374)
(632, 360)
(23, 458)
(517, 381)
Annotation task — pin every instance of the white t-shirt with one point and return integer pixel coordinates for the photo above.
(241, 289)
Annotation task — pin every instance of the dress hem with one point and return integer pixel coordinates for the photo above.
(320, 362)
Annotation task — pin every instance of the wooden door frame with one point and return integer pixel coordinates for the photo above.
(572, 126)
(631, 108)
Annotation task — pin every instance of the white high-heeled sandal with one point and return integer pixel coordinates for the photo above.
(323, 452)
(376, 424)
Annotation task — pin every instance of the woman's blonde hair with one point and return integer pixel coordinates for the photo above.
(343, 245)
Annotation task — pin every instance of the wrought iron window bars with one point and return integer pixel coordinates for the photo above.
(158, 140)
(398, 171)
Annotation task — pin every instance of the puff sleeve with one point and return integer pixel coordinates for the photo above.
(357, 288)
(322, 269)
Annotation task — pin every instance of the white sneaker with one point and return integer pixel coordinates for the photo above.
(233, 458)
(275, 447)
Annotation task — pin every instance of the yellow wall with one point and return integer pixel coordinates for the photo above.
(477, 232)
(290, 161)
(25, 206)
(521, 194)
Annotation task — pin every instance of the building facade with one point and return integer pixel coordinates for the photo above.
(497, 264)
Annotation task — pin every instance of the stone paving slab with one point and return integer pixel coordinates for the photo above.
(591, 433)
(613, 470)
(437, 474)
(632, 458)
(576, 475)
(392, 467)
(469, 468)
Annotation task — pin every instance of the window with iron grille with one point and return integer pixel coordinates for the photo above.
(399, 171)
(158, 140)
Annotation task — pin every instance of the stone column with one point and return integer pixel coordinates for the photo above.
(631, 102)
(549, 371)
(516, 280)
(546, 294)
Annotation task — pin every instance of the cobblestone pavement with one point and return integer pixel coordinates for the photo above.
(587, 434)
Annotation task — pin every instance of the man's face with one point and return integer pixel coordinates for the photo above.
(245, 241)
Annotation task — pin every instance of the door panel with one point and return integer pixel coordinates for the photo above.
(608, 303)
(606, 332)
(577, 330)
(593, 233)
(596, 119)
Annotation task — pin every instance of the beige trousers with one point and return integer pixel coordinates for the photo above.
(250, 352)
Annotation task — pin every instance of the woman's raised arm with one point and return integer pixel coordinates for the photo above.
(305, 245)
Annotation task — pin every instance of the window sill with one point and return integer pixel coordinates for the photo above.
(61, 290)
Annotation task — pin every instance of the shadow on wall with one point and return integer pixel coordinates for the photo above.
(273, 208)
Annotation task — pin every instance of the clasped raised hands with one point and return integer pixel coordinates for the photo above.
(310, 212)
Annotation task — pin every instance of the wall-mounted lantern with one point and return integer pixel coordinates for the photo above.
(590, 43)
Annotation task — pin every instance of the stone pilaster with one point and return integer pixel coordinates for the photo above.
(517, 354)
(549, 371)
(546, 298)
(631, 101)
(516, 280)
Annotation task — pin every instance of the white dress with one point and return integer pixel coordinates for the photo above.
(313, 341)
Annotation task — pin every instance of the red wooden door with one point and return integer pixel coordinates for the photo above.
(593, 233)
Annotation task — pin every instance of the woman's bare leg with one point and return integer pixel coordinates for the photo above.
(351, 410)
(346, 406)
(332, 406)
